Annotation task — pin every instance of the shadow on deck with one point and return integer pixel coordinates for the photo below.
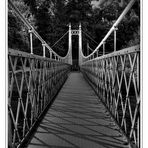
(77, 119)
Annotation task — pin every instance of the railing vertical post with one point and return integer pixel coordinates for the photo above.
(138, 88)
(115, 38)
(104, 48)
(44, 52)
(50, 54)
(80, 44)
(97, 53)
(138, 72)
(70, 44)
(9, 130)
(31, 41)
(9, 116)
(138, 133)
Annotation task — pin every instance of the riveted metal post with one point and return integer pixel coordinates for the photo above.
(97, 53)
(115, 38)
(70, 44)
(50, 54)
(104, 48)
(44, 47)
(31, 41)
(9, 130)
(80, 44)
(138, 72)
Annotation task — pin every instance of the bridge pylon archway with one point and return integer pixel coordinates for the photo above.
(75, 32)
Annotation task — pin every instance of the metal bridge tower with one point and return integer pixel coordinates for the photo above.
(79, 34)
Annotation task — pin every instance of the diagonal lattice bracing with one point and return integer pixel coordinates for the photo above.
(115, 77)
(33, 82)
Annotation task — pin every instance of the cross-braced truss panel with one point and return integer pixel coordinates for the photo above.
(115, 77)
(33, 82)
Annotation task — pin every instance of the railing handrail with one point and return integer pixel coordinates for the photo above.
(128, 50)
(25, 54)
(33, 82)
(115, 77)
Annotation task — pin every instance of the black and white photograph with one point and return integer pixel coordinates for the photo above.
(74, 74)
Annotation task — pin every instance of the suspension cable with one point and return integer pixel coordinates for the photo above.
(59, 40)
(32, 29)
(90, 48)
(90, 37)
(128, 7)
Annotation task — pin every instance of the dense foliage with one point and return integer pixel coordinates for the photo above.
(51, 18)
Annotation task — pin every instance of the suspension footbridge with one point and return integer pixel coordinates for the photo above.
(49, 105)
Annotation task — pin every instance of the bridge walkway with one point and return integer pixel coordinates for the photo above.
(77, 119)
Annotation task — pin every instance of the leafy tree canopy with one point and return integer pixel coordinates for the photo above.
(51, 19)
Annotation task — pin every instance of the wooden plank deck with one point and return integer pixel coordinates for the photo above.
(77, 119)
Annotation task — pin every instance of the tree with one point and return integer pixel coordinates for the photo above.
(128, 30)
(51, 18)
(78, 11)
(17, 32)
(32, 4)
(60, 27)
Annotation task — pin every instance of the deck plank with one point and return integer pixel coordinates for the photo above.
(77, 119)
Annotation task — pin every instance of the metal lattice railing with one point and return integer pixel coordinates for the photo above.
(33, 83)
(115, 78)
(33, 80)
